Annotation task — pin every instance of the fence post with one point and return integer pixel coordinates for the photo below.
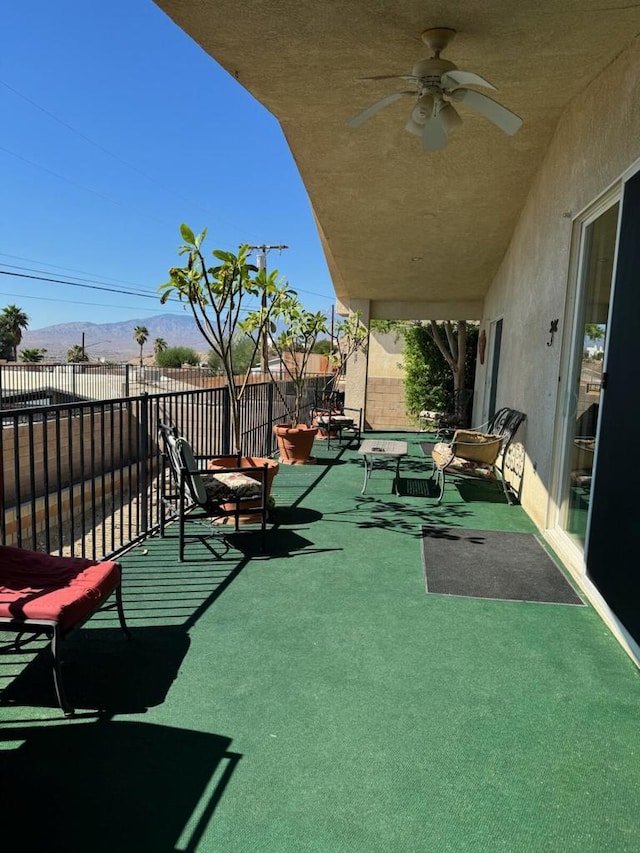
(143, 460)
(268, 441)
(226, 423)
(126, 380)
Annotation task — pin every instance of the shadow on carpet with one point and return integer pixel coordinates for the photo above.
(426, 447)
(104, 671)
(164, 784)
(492, 564)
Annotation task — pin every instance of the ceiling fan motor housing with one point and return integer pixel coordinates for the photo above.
(429, 71)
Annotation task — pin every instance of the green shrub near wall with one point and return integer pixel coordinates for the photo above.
(428, 380)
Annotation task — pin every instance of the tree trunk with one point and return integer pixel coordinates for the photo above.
(454, 352)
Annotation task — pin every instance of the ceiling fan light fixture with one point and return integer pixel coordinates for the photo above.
(423, 109)
(414, 127)
(449, 117)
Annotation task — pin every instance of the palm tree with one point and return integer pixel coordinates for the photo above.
(159, 345)
(15, 321)
(32, 355)
(141, 334)
(77, 354)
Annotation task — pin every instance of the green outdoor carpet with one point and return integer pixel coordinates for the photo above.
(493, 564)
(317, 701)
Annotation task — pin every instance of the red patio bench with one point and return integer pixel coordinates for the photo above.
(44, 594)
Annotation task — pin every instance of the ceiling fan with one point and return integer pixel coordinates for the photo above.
(438, 82)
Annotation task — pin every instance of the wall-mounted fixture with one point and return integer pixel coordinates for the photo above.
(552, 331)
(482, 345)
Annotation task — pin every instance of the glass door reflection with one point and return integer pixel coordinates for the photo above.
(598, 254)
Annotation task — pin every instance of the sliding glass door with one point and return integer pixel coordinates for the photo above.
(597, 256)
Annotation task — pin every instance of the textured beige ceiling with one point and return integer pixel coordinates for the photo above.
(379, 200)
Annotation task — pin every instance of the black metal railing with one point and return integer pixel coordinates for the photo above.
(29, 385)
(82, 478)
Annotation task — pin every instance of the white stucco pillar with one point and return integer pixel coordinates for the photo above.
(356, 379)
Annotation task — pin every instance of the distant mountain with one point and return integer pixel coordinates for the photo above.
(115, 341)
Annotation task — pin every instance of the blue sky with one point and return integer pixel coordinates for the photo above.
(115, 127)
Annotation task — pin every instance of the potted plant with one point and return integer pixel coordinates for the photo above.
(216, 295)
(293, 346)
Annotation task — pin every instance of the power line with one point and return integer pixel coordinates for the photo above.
(139, 294)
(135, 295)
(77, 279)
(58, 267)
(110, 154)
(75, 302)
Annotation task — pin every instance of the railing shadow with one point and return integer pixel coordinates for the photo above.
(113, 785)
(105, 673)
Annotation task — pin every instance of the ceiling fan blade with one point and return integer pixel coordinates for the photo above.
(502, 117)
(434, 135)
(464, 78)
(391, 77)
(359, 119)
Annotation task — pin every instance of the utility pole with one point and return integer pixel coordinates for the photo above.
(262, 265)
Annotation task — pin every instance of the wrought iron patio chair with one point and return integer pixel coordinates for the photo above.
(343, 423)
(212, 493)
(45, 594)
(479, 452)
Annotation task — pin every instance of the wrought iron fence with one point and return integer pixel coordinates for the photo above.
(81, 478)
(28, 385)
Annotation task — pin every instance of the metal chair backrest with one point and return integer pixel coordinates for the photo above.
(183, 464)
(505, 423)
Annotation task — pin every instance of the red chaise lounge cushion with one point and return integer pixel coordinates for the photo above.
(64, 590)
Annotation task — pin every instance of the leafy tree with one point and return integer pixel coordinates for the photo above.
(294, 344)
(176, 357)
(32, 355)
(141, 334)
(15, 322)
(349, 337)
(438, 360)
(216, 295)
(428, 382)
(595, 331)
(159, 345)
(243, 354)
(322, 346)
(77, 354)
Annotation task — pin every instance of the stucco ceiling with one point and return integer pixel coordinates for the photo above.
(380, 201)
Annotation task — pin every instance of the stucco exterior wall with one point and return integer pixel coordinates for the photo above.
(385, 355)
(385, 386)
(597, 139)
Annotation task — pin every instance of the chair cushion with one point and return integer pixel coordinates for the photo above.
(230, 486)
(337, 420)
(66, 590)
(476, 446)
(444, 458)
(471, 468)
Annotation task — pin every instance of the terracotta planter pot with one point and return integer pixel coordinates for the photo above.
(295, 443)
(247, 462)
